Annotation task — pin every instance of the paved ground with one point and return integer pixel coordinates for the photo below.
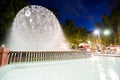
(94, 68)
(112, 55)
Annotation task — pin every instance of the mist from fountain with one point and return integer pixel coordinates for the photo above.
(35, 28)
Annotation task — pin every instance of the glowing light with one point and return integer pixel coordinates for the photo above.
(30, 20)
(96, 32)
(89, 42)
(3, 45)
(27, 13)
(107, 32)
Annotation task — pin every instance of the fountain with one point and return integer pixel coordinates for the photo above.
(36, 35)
(35, 28)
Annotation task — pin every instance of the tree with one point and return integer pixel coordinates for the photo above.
(105, 39)
(8, 10)
(75, 35)
(113, 22)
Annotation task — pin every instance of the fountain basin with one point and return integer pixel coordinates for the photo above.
(95, 68)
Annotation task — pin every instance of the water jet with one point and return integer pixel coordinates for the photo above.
(36, 28)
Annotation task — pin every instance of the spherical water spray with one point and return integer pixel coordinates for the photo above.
(36, 28)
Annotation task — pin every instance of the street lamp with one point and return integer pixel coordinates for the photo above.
(107, 32)
(97, 32)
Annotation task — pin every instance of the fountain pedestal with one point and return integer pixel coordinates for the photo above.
(3, 56)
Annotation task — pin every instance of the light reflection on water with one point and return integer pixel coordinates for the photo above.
(95, 68)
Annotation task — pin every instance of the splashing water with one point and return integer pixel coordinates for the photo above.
(36, 28)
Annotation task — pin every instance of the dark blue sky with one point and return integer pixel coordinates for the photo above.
(83, 12)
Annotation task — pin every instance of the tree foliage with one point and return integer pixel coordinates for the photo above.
(75, 35)
(8, 10)
(112, 23)
(105, 39)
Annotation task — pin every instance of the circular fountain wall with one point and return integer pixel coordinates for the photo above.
(36, 28)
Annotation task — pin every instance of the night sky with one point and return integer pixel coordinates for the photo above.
(83, 12)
